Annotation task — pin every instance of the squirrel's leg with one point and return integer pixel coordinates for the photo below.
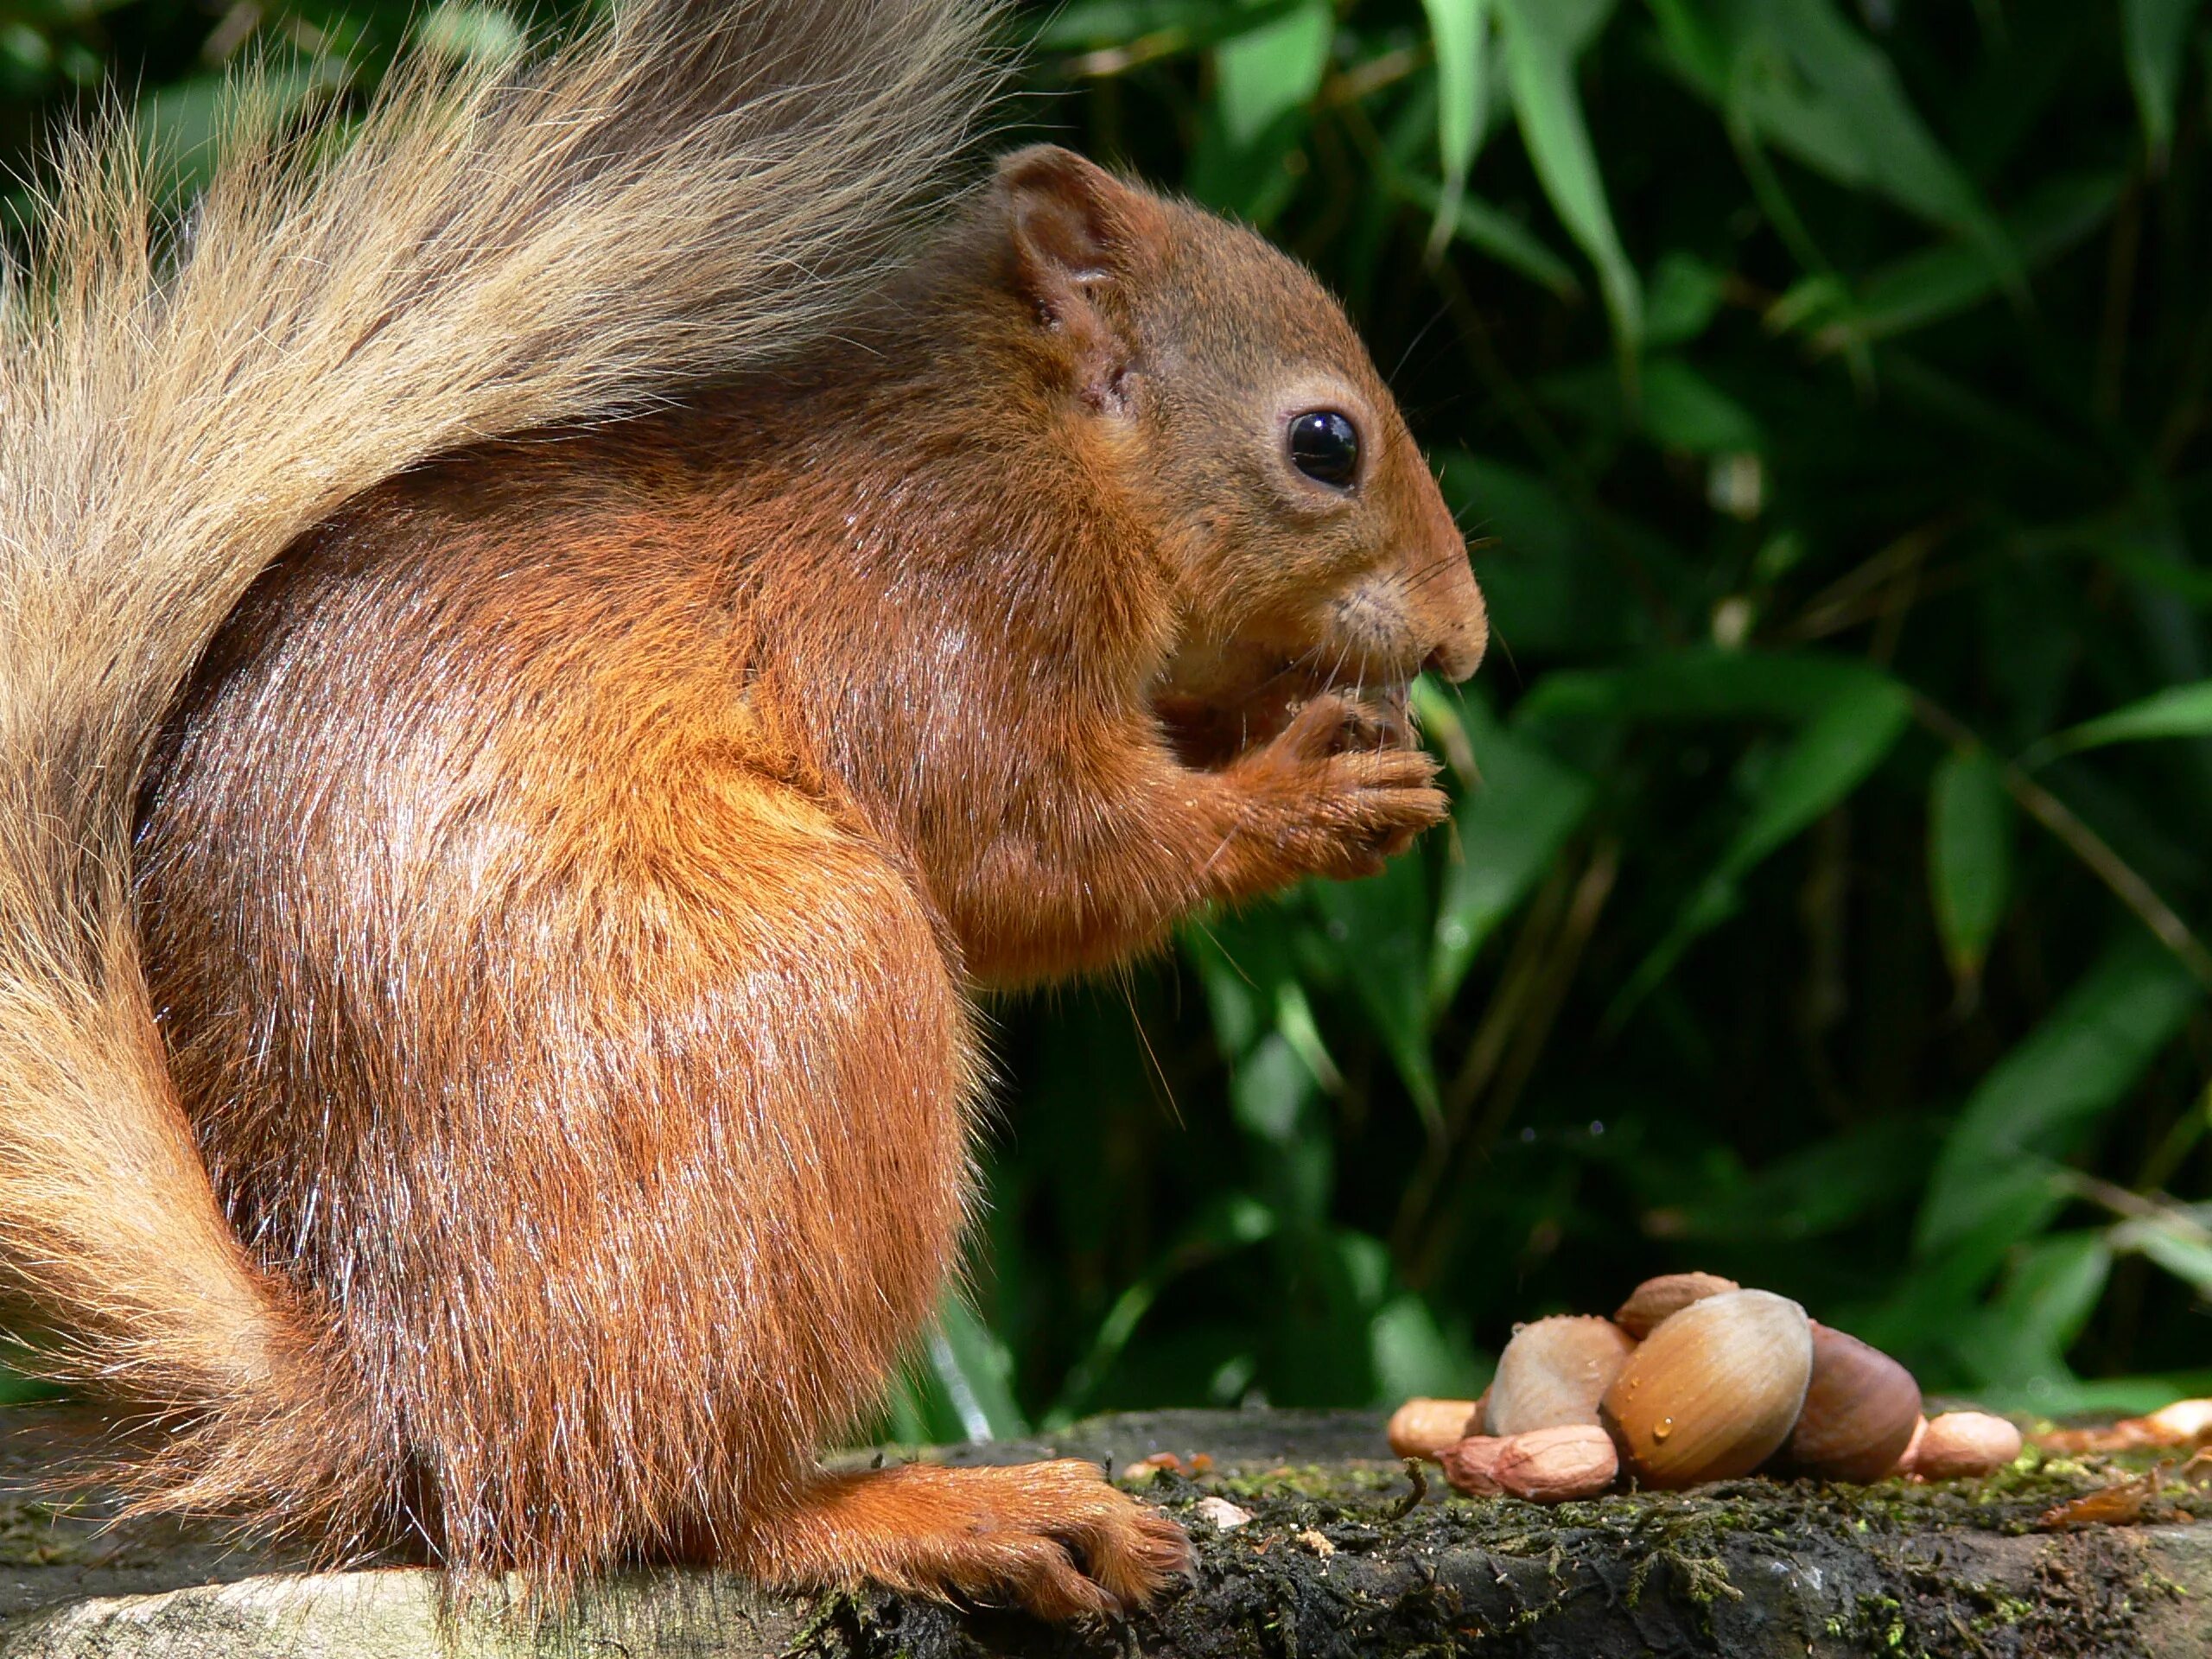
(625, 1158)
(1054, 1538)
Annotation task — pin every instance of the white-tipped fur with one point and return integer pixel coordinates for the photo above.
(693, 187)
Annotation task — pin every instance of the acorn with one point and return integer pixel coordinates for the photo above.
(1422, 1428)
(1655, 1298)
(1961, 1443)
(1553, 1465)
(1860, 1411)
(1714, 1390)
(1553, 1373)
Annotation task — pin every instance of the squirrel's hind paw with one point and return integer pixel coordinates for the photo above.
(1054, 1539)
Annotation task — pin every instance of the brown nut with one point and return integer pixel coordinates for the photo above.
(1422, 1428)
(1861, 1409)
(1963, 1443)
(1554, 1372)
(2185, 1422)
(1655, 1298)
(1553, 1465)
(1714, 1391)
(1470, 1465)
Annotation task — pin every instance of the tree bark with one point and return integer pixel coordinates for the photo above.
(1336, 1559)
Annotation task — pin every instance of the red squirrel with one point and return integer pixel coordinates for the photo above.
(554, 652)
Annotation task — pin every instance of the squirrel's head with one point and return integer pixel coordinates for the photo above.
(1227, 395)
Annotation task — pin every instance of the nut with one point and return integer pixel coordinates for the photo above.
(1903, 1464)
(1859, 1414)
(1963, 1443)
(1714, 1390)
(1655, 1298)
(1470, 1465)
(1553, 1465)
(1554, 1372)
(2185, 1422)
(1422, 1428)
(1222, 1512)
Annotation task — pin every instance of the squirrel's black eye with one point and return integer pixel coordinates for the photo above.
(1325, 446)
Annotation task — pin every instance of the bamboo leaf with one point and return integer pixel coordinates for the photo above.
(2179, 711)
(1491, 231)
(1992, 1181)
(1511, 828)
(2153, 38)
(1265, 76)
(2020, 1340)
(1542, 38)
(1460, 31)
(1829, 758)
(1970, 857)
(976, 1372)
(1269, 72)
(1382, 925)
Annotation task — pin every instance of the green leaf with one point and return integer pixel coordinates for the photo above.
(1412, 1354)
(1382, 925)
(1970, 856)
(1942, 281)
(1232, 1223)
(974, 1369)
(1794, 74)
(2179, 711)
(1994, 1175)
(1265, 76)
(1493, 232)
(1542, 40)
(16, 1389)
(1511, 828)
(1686, 296)
(1460, 31)
(2153, 35)
(1682, 409)
(1707, 684)
(1825, 1187)
(1902, 158)
(1269, 71)
(2177, 1241)
(470, 33)
(1188, 23)
(1824, 763)
(181, 128)
(2020, 1340)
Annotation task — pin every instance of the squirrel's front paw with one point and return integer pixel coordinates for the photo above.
(1337, 794)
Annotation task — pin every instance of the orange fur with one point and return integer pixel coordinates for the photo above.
(564, 880)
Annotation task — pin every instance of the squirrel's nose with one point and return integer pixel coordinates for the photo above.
(1457, 659)
(1460, 619)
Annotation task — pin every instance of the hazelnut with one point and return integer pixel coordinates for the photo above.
(1860, 1411)
(1554, 1372)
(1553, 1465)
(1714, 1390)
(1422, 1428)
(1670, 1292)
(1962, 1443)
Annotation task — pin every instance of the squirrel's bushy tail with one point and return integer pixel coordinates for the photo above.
(695, 187)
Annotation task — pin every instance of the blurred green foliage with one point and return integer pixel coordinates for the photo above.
(1825, 385)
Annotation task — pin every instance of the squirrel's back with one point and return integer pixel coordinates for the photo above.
(692, 188)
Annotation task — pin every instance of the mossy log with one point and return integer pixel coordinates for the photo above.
(1337, 1558)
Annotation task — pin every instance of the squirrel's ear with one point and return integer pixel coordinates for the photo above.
(1073, 230)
